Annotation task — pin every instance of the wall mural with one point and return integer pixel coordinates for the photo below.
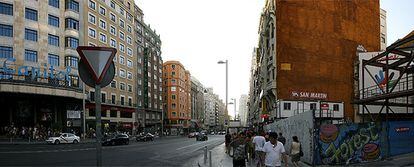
(348, 143)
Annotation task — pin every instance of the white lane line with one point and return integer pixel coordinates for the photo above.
(204, 142)
(46, 151)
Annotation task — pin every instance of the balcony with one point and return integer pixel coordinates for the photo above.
(116, 103)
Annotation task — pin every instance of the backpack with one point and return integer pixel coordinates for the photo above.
(240, 152)
(300, 150)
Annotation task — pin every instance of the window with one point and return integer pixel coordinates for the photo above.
(6, 9)
(92, 5)
(30, 35)
(72, 5)
(336, 107)
(173, 97)
(92, 112)
(174, 114)
(103, 98)
(6, 52)
(102, 24)
(121, 23)
(112, 16)
(173, 66)
(125, 114)
(173, 73)
(129, 29)
(6, 30)
(92, 18)
(286, 106)
(313, 106)
(53, 40)
(122, 74)
(113, 113)
(72, 23)
(53, 21)
(129, 101)
(129, 63)
(102, 37)
(129, 40)
(71, 42)
(54, 3)
(92, 32)
(122, 100)
(129, 75)
(129, 88)
(71, 61)
(122, 11)
(129, 17)
(102, 10)
(121, 35)
(173, 105)
(30, 55)
(113, 84)
(173, 89)
(112, 5)
(122, 47)
(31, 14)
(122, 86)
(121, 59)
(112, 30)
(113, 43)
(113, 99)
(129, 51)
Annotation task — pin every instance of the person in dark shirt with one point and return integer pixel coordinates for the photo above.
(281, 139)
(227, 141)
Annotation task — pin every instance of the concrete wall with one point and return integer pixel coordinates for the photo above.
(300, 125)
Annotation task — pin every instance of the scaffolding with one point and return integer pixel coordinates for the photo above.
(389, 93)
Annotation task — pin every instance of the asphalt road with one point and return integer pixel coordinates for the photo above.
(169, 151)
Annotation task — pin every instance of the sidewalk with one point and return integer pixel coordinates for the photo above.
(221, 159)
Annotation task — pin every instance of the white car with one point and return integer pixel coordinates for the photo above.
(64, 138)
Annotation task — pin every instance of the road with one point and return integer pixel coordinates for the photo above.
(169, 151)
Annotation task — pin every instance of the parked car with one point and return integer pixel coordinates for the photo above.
(117, 139)
(212, 133)
(202, 137)
(145, 137)
(222, 133)
(192, 135)
(64, 138)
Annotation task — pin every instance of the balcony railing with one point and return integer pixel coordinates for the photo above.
(116, 103)
(404, 84)
(44, 82)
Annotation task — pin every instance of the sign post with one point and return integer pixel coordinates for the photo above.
(96, 69)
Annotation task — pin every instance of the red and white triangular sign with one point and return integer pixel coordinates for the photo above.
(97, 59)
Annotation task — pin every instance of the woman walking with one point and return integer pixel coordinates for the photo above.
(295, 150)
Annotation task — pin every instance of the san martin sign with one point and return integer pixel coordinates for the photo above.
(308, 95)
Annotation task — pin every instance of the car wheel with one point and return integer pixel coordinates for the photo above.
(75, 142)
(57, 142)
(113, 143)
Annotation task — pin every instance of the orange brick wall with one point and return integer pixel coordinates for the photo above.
(319, 40)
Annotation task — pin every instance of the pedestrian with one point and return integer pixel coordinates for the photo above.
(227, 142)
(239, 150)
(295, 150)
(281, 138)
(259, 142)
(274, 151)
(249, 145)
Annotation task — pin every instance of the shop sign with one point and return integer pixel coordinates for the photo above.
(325, 106)
(309, 95)
(9, 69)
(73, 114)
(402, 129)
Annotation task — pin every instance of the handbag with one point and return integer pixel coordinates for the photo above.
(300, 150)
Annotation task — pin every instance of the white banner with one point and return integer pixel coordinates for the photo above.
(73, 114)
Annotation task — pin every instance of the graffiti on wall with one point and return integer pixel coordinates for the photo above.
(348, 143)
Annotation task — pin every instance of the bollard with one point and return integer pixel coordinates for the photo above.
(205, 154)
(211, 163)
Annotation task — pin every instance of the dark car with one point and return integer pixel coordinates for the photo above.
(117, 139)
(201, 137)
(145, 137)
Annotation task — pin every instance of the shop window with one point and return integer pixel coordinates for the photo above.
(126, 114)
(114, 113)
(313, 106)
(286, 106)
(336, 107)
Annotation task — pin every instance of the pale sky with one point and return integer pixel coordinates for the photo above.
(198, 33)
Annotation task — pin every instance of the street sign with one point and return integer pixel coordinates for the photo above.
(96, 69)
(324, 106)
(97, 60)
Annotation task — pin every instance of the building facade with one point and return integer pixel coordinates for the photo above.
(305, 58)
(39, 83)
(197, 104)
(243, 111)
(177, 98)
(149, 72)
(383, 29)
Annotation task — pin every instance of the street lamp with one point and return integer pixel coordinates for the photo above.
(227, 78)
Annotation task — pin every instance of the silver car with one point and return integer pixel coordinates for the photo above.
(64, 138)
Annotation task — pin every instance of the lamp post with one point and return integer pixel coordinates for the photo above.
(234, 107)
(227, 78)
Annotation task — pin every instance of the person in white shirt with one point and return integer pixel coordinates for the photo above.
(274, 151)
(259, 142)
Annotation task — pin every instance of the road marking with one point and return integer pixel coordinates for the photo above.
(45, 151)
(204, 142)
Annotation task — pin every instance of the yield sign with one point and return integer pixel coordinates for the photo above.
(97, 59)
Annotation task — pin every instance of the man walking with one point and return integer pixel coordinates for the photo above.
(282, 139)
(240, 151)
(274, 151)
(227, 141)
(259, 142)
